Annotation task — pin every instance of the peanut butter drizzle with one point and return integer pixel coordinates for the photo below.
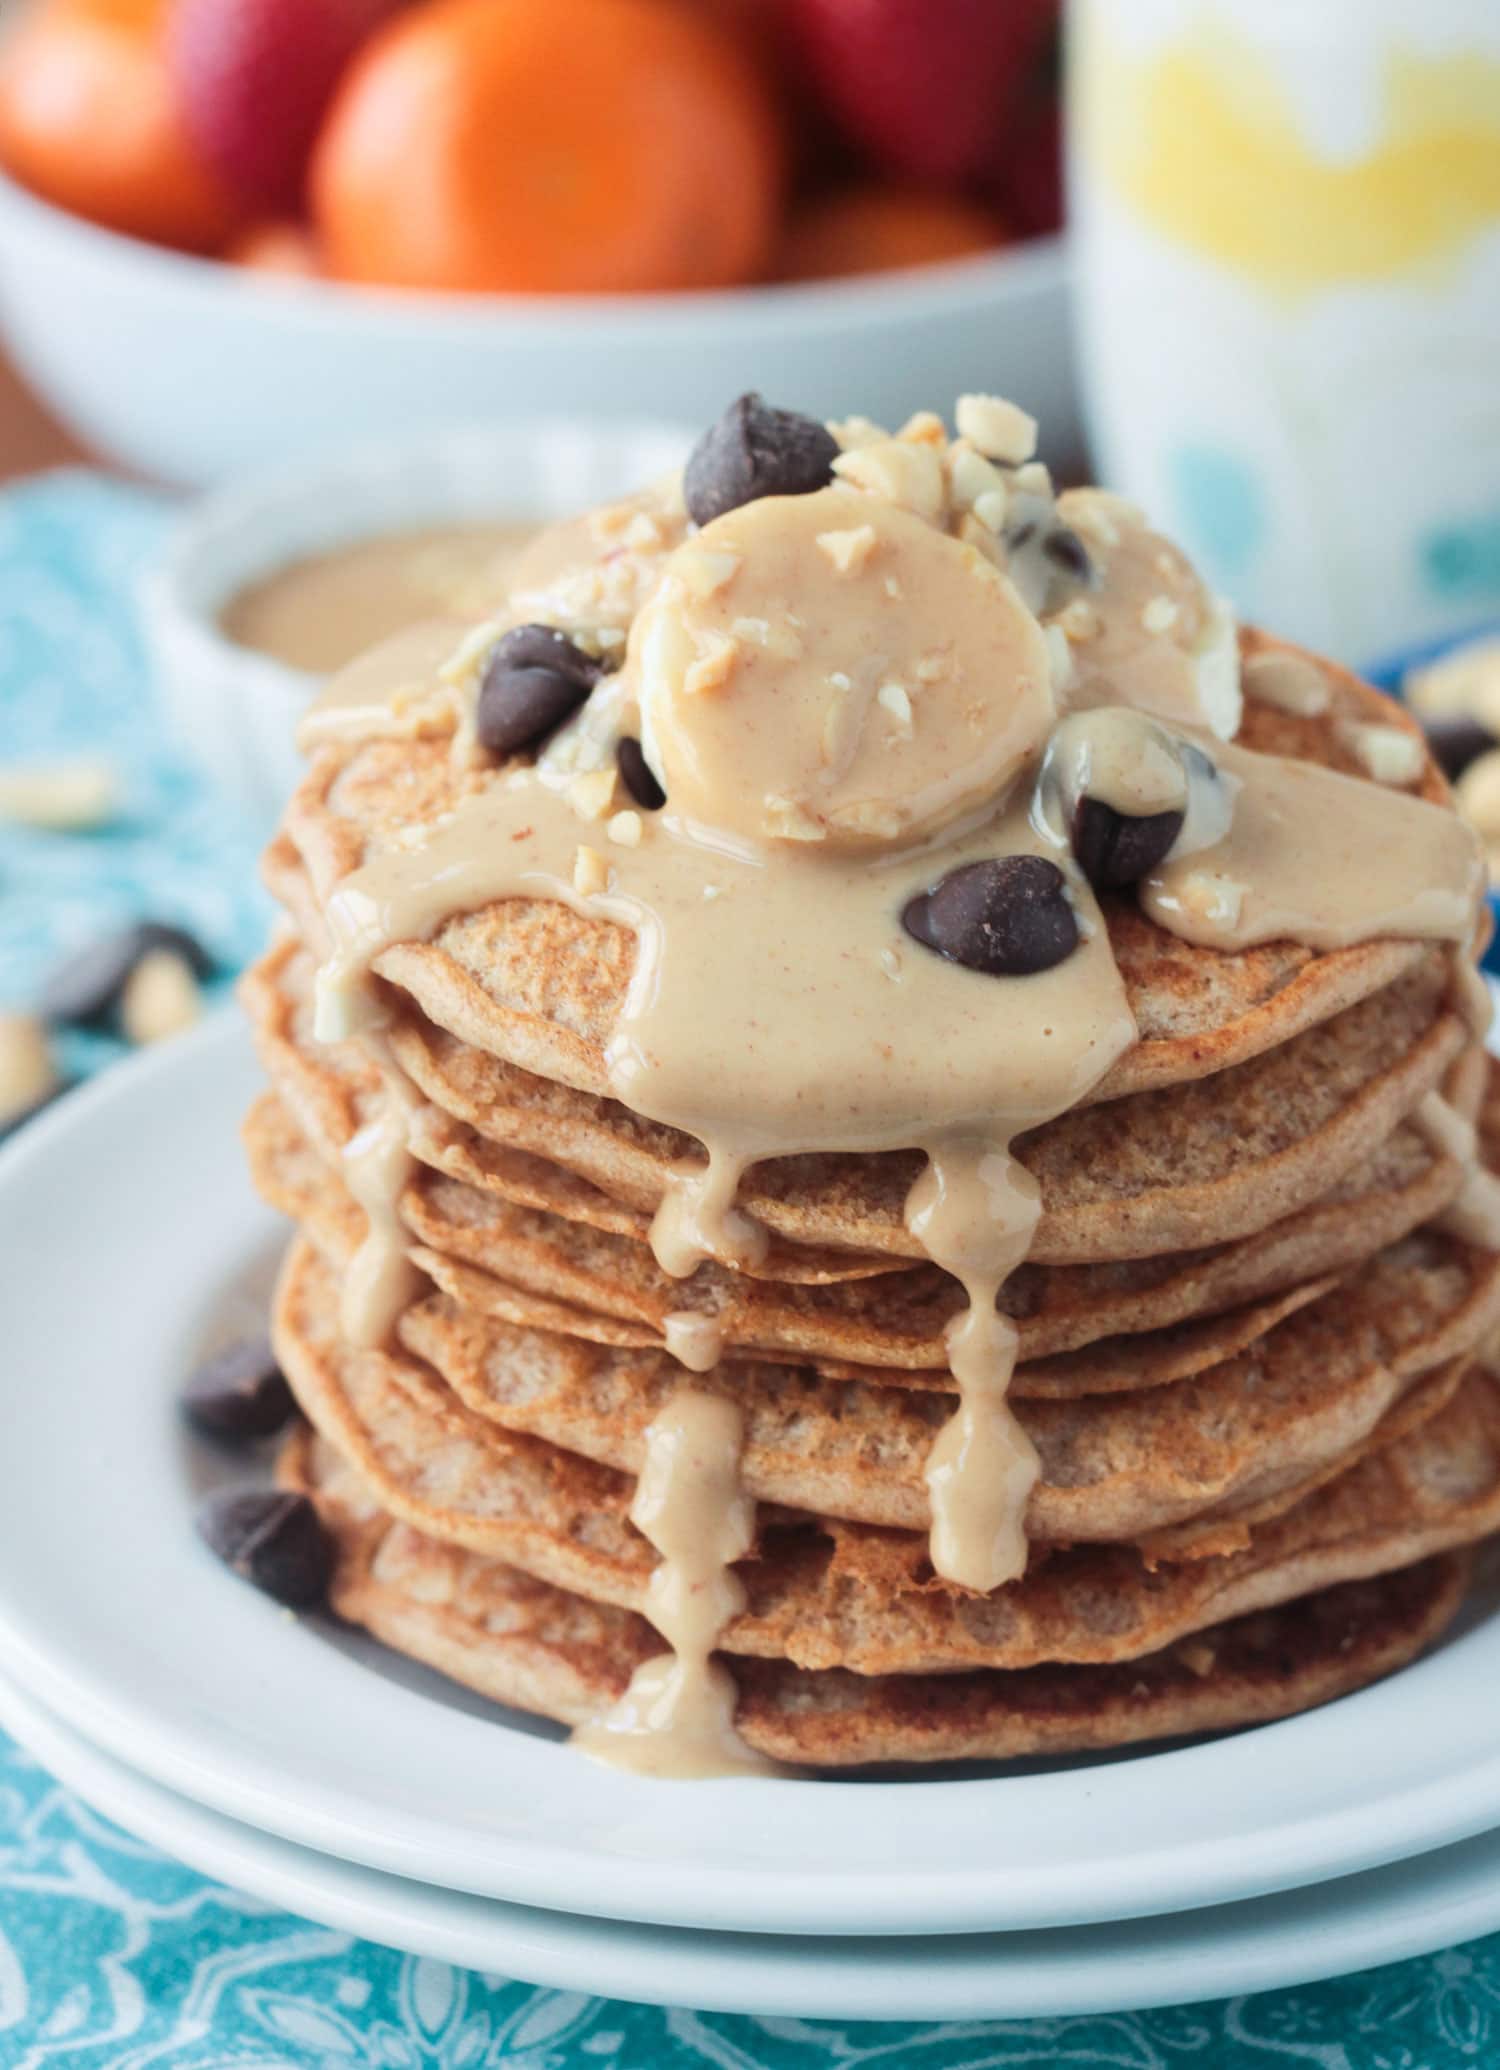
(677, 1716)
(1317, 857)
(377, 1163)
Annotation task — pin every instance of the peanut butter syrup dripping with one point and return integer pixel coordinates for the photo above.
(677, 1716)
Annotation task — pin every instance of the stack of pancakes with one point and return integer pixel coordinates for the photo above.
(1248, 1343)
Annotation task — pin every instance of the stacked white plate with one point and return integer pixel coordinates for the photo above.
(304, 1764)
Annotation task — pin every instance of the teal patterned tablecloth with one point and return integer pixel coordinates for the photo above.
(113, 1957)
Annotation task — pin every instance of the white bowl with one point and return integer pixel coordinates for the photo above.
(235, 710)
(191, 370)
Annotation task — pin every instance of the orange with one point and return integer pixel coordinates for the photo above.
(273, 247)
(875, 227)
(550, 146)
(89, 121)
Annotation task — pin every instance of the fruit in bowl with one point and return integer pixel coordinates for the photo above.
(541, 146)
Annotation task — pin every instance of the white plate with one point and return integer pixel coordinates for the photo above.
(124, 1221)
(1386, 1915)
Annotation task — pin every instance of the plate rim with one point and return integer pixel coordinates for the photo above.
(1068, 1970)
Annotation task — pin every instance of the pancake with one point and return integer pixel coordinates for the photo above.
(1194, 1165)
(525, 1643)
(827, 1594)
(1058, 1309)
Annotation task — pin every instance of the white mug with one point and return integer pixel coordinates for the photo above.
(1287, 233)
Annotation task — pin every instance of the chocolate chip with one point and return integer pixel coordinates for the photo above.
(752, 451)
(1008, 916)
(520, 706)
(543, 646)
(87, 987)
(1068, 554)
(1119, 848)
(274, 1541)
(1457, 740)
(638, 777)
(240, 1392)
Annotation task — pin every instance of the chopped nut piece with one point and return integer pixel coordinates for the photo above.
(1387, 753)
(1286, 681)
(970, 475)
(790, 821)
(705, 573)
(892, 697)
(1060, 656)
(27, 1073)
(161, 997)
(907, 475)
(590, 872)
(924, 428)
(643, 531)
(1159, 615)
(64, 797)
(1197, 1657)
(717, 660)
(1079, 619)
(1212, 898)
(606, 639)
(593, 794)
(991, 507)
(1033, 480)
(932, 668)
(857, 431)
(756, 629)
(890, 963)
(849, 550)
(625, 828)
(975, 533)
(997, 427)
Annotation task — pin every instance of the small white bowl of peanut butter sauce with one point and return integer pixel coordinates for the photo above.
(267, 586)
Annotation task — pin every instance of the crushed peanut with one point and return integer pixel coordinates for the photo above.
(592, 795)
(161, 997)
(625, 829)
(908, 475)
(27, 1073)
(590, 872)
(849, 550)
(996, 427)
(706, 572)
(64, 797)
(1159, 615)
(1389, 754)
(718, 657)
(892, 698)
(1287, 682)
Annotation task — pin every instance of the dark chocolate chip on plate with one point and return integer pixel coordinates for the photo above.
(1008, 916)
(754, 450)
(637, 775)
(88, 986)
(1456, 740)
(1119, 848)
(241, 1392)
(273, 1540)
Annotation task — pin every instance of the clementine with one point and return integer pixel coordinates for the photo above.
(524, 146)
(89, 120)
